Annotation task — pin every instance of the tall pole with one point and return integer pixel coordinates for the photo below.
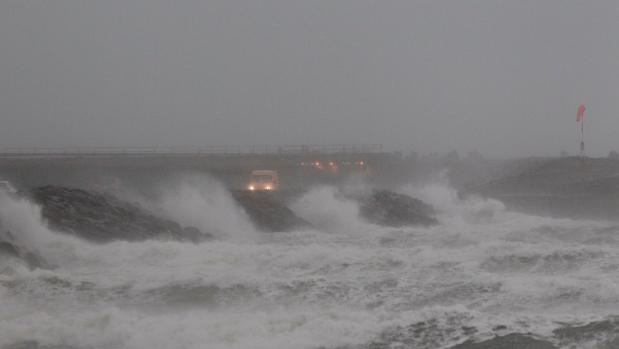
(582, 136)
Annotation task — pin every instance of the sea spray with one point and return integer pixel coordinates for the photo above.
(328, 209)
(201, 202)
(452, 206)
(428, 287)
(22, 226)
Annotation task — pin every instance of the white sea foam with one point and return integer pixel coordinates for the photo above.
(452, 207)
(22, 225)
(344, 283)
(201, 202)
(328, 209)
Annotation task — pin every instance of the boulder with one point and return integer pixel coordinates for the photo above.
(572, 187)
(510, 341)
(387, 208)
(32, 344)
(11, 249)
(100, 217)
(268, 212)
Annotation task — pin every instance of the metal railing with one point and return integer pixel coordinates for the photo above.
(225, 150)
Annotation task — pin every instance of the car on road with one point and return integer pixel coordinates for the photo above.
(263, 180)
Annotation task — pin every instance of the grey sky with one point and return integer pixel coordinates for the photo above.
(503, 77)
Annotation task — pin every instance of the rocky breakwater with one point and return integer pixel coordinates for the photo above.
(268, 211)
(387, 208)
(103, 218)
(568, 187)
(10, 248)
(602, 334)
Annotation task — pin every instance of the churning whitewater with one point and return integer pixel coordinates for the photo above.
(481, 273)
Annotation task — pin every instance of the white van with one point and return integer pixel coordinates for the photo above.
(263, 180)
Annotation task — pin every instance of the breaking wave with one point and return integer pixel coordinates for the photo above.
(455, 208)
(22, 226)
(482, 272)
(328, 209)
(200, 202)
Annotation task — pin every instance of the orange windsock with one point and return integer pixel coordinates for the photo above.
(581, 113)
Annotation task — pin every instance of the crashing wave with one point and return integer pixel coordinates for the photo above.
(103, 218)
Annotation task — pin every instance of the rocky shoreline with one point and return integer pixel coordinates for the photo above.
(102, 218)
(570, 187)
(391, 209)
(268, 211)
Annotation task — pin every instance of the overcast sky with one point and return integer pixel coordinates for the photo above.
(501, 77)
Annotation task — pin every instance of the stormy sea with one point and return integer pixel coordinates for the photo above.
(479, 276)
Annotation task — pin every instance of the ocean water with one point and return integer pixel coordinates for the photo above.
(483, 271)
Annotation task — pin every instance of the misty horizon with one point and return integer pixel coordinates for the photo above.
(501, 78)
(309, 174)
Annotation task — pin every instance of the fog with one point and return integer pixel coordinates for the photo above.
(500, 77)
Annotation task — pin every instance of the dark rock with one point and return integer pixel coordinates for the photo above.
(30, 344)
(424, 334)
(267, 212)
(604, 332)
(10, 248)
(568, 187)
(193, 234)
(198, 295)
(510, 341)
(102, 218)
(429, 334)
(392, 209)
(612, 344)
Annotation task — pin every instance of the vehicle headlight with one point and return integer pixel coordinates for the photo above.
(251, 187)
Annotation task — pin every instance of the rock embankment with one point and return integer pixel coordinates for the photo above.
(510, 341)
(391, 209)
(569, 187)
(103, 218)
(9, 248)
(268, 212)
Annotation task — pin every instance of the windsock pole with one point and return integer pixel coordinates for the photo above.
(582, 137)
(580, 117)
